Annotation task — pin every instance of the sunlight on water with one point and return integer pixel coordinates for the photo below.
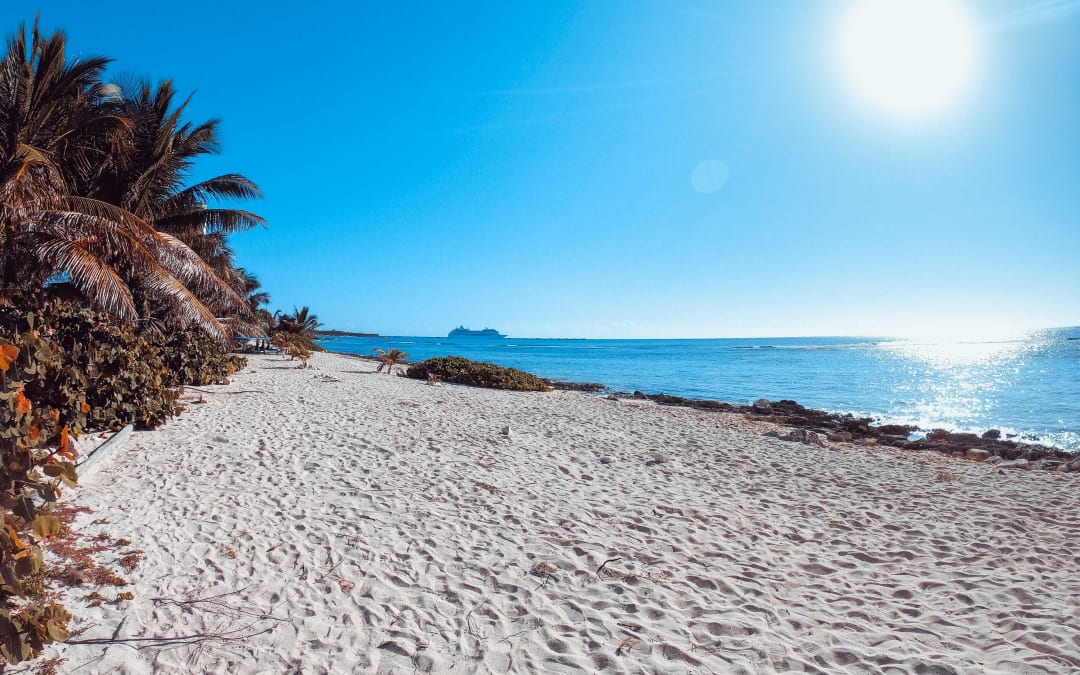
(961, 384)
(951, 355)
(953, 383)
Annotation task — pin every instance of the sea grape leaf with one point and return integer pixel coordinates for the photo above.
(25, 508)
(65, 471)
(46, 526)
(57, 631)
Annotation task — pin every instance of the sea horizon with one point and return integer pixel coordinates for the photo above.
(982, 334)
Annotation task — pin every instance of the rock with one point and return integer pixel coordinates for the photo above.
(861, 426)
(606, 460)
(894, 430)
(967, 439)
(1074, 465)
(1045, 465)
(799, 436)
(613, 397)
(588, 387)
(995, 459)
(977, 454)
(895, 441)
(506, 431)
(1018, 464)
(761, 407)
(991, 435)
(840, 437)
(639, 395)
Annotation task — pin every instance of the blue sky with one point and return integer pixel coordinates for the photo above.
(530, 166)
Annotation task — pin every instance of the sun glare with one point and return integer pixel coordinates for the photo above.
(910, 57)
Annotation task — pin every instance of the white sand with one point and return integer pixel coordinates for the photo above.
(391, 526)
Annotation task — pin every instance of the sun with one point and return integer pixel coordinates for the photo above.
(909, 57)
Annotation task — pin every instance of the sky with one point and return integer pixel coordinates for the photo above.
(625, 168)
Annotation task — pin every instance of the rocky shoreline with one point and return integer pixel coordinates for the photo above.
(815, 427)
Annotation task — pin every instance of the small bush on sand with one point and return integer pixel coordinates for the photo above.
(388, 358)
(476, 373)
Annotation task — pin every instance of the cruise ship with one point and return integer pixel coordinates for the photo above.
(462, 331)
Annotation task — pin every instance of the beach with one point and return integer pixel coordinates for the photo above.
(332, 519)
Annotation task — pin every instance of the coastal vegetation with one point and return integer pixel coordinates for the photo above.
(344, 333)
(295, 333)
(460, 370)
(117, 288)
(388, 358)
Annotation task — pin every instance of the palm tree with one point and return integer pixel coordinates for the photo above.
(66, 141)
(146, 176)
(45, 102)
(389, 358)
(255, 300)
(300, 321)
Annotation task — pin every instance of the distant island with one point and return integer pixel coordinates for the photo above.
(345, 333)
(462, 331)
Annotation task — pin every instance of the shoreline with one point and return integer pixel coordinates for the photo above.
(859, 428)
(351, 521)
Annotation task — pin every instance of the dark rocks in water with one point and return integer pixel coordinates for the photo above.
(857, 427)
(588, 387)
(720, 406)
(846, 428)
(895, 430)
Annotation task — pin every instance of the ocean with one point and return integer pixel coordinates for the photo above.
(1028, 387)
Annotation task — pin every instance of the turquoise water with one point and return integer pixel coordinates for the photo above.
(1029, 386)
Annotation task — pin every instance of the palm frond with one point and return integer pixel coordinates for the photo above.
(95, 279)
(211, 220)
(228, 186)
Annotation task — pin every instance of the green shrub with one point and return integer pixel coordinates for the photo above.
(195, 358)
(126, 381)
(476, 373)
